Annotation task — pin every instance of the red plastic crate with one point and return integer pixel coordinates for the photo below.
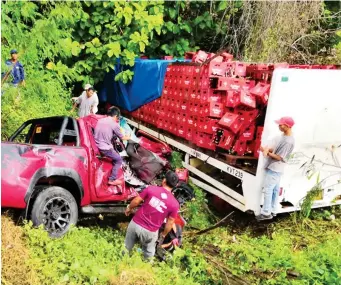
(183, 119)
(204, 96)
(216, 69)
(200, 56)
(248, 133)
(259, 133)
(166, 125)
(240, 69)
(193, 95)
(204, 110)
(192, 122)
(200, 71)
(232, 99)
(177, 106)
(181, 131)
(256, 148)
(216, 96)
(160, 123)
(216, 110)
(194, 109)
(227, 139)
(208, 125)
(261, 90)
(178, 117)
(228, 119)
(184, 106)
(173, 128)
(249, 84)
(239, 147)
(205, 141)
(189, 82)
(189, 70)
(202, 83)
(246, 99)
(248, 116)
(228, 83)
(189, 134)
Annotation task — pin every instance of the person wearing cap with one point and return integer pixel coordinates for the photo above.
(276, 157)
(16, 69)
(87, 101)
(158, 204)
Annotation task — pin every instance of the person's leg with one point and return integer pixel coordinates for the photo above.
(275, 197)
(131, 236)
(148, 242)
(270, 182)
(116, 161)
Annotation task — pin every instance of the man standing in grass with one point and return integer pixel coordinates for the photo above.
(16, 69)
(88, 102)
(277, 156)
(158, 204)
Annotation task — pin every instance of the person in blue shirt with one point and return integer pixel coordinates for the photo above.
(15, 69)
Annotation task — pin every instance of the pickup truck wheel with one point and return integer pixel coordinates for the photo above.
(56, 209)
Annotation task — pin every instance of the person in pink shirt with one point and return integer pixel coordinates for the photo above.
(158, 204)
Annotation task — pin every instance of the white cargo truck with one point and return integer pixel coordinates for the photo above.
(313, 98)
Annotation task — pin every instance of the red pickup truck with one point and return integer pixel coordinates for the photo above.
(52, 168)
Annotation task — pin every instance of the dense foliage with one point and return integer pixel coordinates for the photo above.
(63, 44)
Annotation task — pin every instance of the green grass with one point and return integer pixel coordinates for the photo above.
(288, 251)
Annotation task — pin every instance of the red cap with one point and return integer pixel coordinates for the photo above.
(286, 121)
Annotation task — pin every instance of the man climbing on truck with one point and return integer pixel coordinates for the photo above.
(276, 155)
(158, 204)
(105, 130)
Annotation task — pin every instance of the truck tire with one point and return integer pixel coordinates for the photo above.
(56, 209)
(183, 193)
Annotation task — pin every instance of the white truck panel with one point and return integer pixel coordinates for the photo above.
(313, 98)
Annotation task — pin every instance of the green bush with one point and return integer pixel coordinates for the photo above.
(94, 256)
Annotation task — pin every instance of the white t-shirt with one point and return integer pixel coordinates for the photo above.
(86, 103)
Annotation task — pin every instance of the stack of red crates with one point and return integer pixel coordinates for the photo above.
(214, 102)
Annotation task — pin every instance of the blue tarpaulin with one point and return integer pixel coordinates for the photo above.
(145, 87)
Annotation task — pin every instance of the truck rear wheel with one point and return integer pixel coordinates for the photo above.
(56, 209)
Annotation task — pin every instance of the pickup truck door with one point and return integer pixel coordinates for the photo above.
(100, 172)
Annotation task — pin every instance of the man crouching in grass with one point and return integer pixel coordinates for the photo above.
(158, 204)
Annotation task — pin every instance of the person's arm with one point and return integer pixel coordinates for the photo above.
(76, 100)
(118, 133)
(22, 71)
(94, 105)
(133, 204)
(137, 201)
(168, 227)
(74, 106)
(274, 156)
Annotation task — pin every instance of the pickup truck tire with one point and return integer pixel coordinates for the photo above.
(56, 209)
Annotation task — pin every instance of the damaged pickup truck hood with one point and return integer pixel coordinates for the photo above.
(22, 165)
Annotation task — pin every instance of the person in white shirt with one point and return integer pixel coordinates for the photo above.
(87, 101)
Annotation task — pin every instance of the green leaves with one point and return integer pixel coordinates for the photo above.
(222, 5)
(124, 76)
(172, 13)
(114, 49)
